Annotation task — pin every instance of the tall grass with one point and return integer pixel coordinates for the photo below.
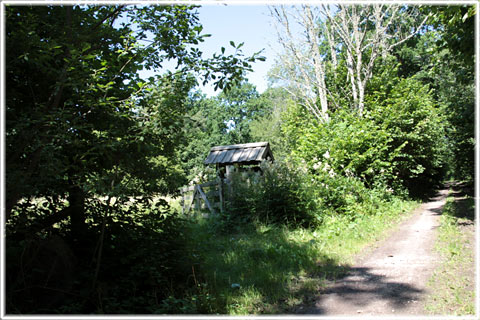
(453, 281)
(264, 269)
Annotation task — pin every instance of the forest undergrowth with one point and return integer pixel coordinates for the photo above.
(453, 282)
(271, 269)
(94, 153)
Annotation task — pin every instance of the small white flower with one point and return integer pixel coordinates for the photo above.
(326, 155)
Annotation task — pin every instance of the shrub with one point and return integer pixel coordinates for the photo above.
(144, 264)
(279, 195)
(399, 144)
(285, 196)
(345, 152)
(417, 135)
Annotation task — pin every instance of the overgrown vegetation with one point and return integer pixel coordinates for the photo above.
(453, 282)
(132, 258)
(92, 151)
(280, 195)
(269, 268)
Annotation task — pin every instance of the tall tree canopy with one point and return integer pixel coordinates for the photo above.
(89, 144)
(79, 120)
(332, 38)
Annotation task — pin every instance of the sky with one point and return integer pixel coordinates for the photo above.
(241, 23)
(250, 24)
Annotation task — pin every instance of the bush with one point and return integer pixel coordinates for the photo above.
(144, 264)
(296, 196)
(398, 145)
(285, 196)
(279, 195)
(417, 135)
(347, 145)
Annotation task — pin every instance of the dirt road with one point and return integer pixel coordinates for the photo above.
(391, 279)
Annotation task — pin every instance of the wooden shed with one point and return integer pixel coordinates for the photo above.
(246, 157)
(245, 154)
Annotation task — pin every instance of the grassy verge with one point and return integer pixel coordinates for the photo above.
(453, 283)
(266, 269)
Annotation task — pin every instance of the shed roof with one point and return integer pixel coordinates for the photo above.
(248, 153)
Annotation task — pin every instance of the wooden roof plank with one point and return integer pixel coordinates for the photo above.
(221, 155)
(262, 154)
(239, 146)
(254, 154)
(246, 154)
(250, 152)
(211, 157)
(228, 157)
(243, 155)
(239, 153)
(236, 155)
(217, 156)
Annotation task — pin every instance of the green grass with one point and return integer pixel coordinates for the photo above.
(263, 269)
(453, 282)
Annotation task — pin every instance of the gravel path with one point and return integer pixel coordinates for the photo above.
(392, 279)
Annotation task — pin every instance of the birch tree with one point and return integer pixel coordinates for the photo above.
(361, 34)
(303, 65)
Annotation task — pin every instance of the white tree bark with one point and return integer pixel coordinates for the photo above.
(341, 27)
(303, 67)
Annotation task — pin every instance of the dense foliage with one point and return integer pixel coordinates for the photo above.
(84, 135)
(279, 195)
(93, 151)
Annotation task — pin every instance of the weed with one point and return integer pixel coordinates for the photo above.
(264, 269)
(452, 282)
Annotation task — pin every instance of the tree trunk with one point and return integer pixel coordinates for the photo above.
(76, 199)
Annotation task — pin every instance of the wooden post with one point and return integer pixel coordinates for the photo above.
(220, 192)
(197, 202)
(183, 201)
(193, 198)
(204, 197)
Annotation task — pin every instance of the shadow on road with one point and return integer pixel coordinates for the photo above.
(366, 289)
(360, 286)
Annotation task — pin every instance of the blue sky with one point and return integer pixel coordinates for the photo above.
(250, 24)
(240, 23)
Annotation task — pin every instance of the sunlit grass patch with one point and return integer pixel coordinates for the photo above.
(452, 284)
(266, 269)
(247, 300)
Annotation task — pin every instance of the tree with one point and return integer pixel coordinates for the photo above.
(76, 109)
(303, 62)
(241, 105)
(269, 126)
(221, 120)
(88, 146)
(354, 36)
(205, 126)
(454, 79)
(444, 59)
